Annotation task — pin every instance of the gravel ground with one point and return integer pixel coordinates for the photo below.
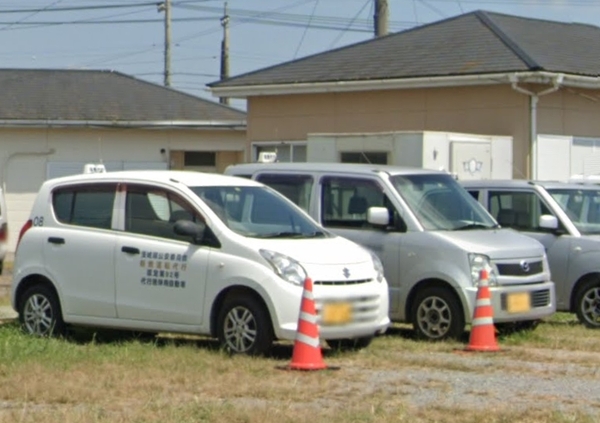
(497, 382)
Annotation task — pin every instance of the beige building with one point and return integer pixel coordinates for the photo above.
(53, 122)
(479, 73)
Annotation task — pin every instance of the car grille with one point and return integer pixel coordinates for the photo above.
(517, 269)
(539, 298)
(343, 282)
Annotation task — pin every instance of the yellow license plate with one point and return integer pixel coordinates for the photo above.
(518, 303)
(337, 313)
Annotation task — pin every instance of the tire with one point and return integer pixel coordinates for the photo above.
(437, 314)
(516, 327)
(353, 344)
(244, 326)
(39, 312)
(587, 303)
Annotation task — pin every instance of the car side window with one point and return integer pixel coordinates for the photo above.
(297, 188)
(90, 206)
(345, 201)
(152, 211)
(518, 210)
(474, 194)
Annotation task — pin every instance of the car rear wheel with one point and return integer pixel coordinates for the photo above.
(587, 303)
(39, 312)
(244, 326)
(437, 314)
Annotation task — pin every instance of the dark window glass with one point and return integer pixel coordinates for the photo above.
(345, 202)
(519, 210)
(85, 206)
(295, 187)
(154, 212)
(200, 158)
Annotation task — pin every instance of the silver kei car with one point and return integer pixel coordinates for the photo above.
(565, 218)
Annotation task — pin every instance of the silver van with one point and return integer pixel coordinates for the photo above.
(565, 218)
(432, 237)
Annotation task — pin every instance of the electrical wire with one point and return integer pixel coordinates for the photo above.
(306, 28)
(344, 31)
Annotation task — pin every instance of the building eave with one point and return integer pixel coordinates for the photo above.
(139, 124)
(536, 77)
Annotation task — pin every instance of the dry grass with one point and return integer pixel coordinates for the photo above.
(104, 377)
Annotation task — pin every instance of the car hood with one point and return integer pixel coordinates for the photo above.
(495, 243)
(335, 250)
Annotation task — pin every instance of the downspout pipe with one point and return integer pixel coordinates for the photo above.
(533, 102)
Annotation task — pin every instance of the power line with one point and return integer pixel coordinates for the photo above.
(355, 17)
(306, 28)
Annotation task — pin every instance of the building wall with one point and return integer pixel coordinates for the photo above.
(25, 154)
(486, 110)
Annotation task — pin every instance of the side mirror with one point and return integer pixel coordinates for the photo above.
(379, 216)
(548, 221)
(191, 229)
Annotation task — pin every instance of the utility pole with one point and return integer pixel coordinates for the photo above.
(225, 51)
(380, 19)
(166, 7)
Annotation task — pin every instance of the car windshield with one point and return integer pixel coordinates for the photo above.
(258, 212)
(582, 206)
(440, 203)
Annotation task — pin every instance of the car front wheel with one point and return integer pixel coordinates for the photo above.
(39, 312)
(437, 314)
(244, 326)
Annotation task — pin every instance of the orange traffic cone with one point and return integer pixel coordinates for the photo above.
(483, 333)
(307, 346)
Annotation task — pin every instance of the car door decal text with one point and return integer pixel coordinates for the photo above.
(163, 269)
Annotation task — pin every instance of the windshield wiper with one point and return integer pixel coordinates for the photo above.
(473, 225)
(292, 235)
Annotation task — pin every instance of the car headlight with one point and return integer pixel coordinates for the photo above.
(285, 267)
(378, 266)
(479, 262)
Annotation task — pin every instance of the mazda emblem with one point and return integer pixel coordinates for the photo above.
(525, 266)
(346, 272)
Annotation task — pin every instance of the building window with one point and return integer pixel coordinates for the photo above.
(364, 157)
(200, 158)
(286, 152)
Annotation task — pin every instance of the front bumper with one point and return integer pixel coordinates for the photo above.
(368, 305)
(517, 302)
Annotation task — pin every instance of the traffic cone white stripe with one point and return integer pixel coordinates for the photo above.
(305, 339)
(482, 321)
(483, 302)
(307, 317)
(308, 295)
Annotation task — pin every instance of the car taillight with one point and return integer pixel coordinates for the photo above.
(24, 229)
(3, 232)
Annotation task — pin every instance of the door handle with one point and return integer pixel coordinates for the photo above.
(56, 240)
(130, 250)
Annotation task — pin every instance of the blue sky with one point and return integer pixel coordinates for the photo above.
(50, 34)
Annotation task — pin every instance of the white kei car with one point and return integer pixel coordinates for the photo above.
(189, 252)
